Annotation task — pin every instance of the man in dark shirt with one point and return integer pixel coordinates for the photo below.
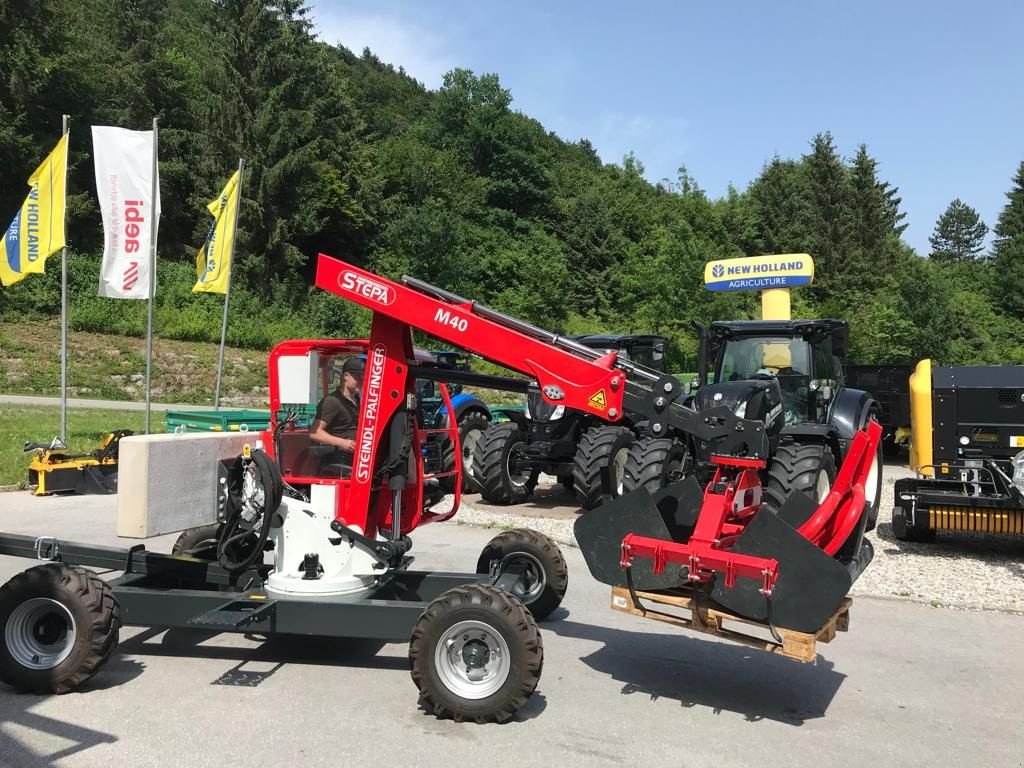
(337, 415)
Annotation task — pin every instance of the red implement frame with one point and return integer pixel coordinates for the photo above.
(733, 498)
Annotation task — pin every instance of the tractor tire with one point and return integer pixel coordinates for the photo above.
(654, 463)
(471, 427)
(547, 572)
(601, 447)
(809, 468)
(476, 654)
(58, 626)
(203, 539)
(491, 459)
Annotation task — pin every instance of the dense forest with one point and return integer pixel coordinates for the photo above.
(347, 155)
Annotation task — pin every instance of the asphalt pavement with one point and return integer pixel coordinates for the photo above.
(908, 685)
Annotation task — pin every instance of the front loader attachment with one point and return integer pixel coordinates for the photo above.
(790, 570)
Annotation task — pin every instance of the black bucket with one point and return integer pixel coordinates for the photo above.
(811, 585)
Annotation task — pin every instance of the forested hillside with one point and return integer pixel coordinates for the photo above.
(349, 156)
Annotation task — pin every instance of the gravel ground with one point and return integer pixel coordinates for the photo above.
(967, 571)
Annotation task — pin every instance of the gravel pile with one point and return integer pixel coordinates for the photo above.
(968, 571)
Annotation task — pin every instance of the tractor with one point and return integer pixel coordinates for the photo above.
(585, 452)
(787, 374)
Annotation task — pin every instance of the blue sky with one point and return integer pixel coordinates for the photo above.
(935, 89)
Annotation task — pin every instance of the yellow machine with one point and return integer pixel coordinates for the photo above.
(54, 470)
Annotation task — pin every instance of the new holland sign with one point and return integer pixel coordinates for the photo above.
(758, 273)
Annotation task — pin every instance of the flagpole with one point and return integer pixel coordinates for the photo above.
(154, 191)
(66, 126)
(227, 292)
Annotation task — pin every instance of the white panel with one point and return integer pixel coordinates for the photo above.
(168, 482)
(297, 377)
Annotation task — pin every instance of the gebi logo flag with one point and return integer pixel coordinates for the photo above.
(213, 263)
(37, 231)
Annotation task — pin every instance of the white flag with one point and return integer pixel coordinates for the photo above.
(124, 184)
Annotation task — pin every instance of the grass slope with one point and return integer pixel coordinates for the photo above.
(109, 367)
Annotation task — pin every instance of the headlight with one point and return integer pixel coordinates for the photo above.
(965, 440)
(558, 413)
(741, 410)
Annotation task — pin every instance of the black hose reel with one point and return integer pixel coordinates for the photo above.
(254, 492)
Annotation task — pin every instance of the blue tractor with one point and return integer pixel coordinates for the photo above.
(471, 413)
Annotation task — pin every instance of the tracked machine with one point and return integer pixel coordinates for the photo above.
(320, 545)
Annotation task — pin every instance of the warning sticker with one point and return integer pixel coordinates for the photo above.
(1017, 441)
(598, 400)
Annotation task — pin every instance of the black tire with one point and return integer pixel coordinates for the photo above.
(55, 601)
(545, 590)
(472, 423)
(797, 467)
(491, 462)
(504, 617)
(601, 448)
(654, 463)
(905, 532)
(203, 539)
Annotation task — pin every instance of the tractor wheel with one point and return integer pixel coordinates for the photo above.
(547, 575)
(873, 489)
(471, 426)
(602, 447)
(198, 542)
(493, 461)
(59, 625)
(809, 468)
(654, 463)
(476, 654)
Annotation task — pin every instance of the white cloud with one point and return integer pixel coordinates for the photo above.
(420, 52)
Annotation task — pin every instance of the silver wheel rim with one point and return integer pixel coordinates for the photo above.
(518, 479)
(40, 633)
(472, 660)
(871, 491)
(535, 578)
(823, 486)
(619, 469)
(468, 446)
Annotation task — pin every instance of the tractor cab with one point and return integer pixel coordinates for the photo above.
(795, 364)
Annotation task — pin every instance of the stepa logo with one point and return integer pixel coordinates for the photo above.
(717, 271)
(367, 288)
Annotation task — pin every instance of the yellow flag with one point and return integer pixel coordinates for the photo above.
(37, 231)
(213, 262)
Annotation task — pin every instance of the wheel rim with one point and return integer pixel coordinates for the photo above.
(517, 478)
(619, 470)
(823, 486)
(40, 633)
(468, 446)
(530, 587)
(472, 660)
(873, 482)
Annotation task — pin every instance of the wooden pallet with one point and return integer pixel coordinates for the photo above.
(711, 618)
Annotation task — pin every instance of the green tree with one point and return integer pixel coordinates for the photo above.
(959, 234)
(1008, 248)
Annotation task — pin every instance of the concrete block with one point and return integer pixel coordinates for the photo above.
(168, 482)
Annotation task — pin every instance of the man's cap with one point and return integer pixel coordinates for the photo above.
(354, 366)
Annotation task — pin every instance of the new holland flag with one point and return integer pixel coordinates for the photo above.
(213, 263)
(37, 231)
